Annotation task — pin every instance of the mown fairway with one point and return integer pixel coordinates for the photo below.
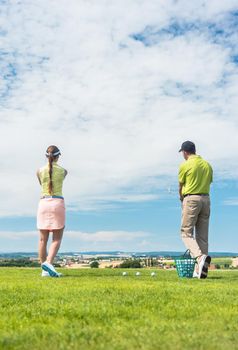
(101, 309)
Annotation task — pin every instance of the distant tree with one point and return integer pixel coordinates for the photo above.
(94, 264)
(135, 263)
(20, 262)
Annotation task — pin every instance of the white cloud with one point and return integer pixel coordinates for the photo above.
(100, 236)
(231, 202)
(106, 236)
(74, 76)
(80, 241)
(15, 235)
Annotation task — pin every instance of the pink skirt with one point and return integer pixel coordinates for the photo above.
(51, 214)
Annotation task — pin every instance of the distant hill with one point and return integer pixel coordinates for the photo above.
(15, 255)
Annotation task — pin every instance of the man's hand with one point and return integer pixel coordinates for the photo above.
(181, 191)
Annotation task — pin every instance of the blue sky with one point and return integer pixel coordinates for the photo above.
(118, 92)
(150, 225)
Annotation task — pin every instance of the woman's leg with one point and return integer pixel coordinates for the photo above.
(55, 245)
(44, 236)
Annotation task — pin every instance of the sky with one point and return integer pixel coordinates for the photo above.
(117, 86)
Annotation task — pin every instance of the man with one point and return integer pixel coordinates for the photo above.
(195, 177)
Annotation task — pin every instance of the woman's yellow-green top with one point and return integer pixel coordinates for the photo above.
(58, 175)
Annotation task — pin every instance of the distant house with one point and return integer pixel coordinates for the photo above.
(212, 267)
(234, 262)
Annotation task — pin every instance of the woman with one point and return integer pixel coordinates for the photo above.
(51, 210)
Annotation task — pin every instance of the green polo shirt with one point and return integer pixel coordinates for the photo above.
(196, 175)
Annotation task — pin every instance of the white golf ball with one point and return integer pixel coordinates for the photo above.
(124, 273)
(152, 274)
(137, 273)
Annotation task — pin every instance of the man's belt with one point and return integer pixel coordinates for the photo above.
(196, 194)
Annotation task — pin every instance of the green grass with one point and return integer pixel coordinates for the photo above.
(102, 310)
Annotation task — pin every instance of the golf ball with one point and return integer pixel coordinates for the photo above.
(137, 273)
(124, 273)
(152, 274)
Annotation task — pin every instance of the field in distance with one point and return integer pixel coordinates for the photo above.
(100, 309)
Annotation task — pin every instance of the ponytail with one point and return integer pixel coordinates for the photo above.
(52, 153)
(50, 186)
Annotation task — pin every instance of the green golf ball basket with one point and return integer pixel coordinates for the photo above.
(185, 265)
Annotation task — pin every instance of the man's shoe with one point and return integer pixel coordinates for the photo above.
(204, 263)
(195, 274)
(50, 269)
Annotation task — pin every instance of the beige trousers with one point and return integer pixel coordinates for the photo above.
(195, 217)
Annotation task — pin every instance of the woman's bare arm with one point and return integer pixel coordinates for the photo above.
(38, 176)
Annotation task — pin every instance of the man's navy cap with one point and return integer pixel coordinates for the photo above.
(188, 146)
